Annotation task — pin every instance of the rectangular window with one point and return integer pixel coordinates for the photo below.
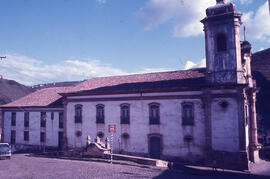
(26, 119)
(188, 114)
(100, 114)
(52, 115)
(154, 114)
(26, 135)
(42, 136)
(61, 120)
(13, 137)
(125, 114)
(43, 119)
(78, 113)
(13, 119)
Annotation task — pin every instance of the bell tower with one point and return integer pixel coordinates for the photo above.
(222, 44)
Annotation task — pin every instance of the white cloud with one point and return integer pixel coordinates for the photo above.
(246, 1)
(30, 71)
(258, 23)
(262, 48)
(101, 1)
(151, 70)
(190, 64)
(185, 14)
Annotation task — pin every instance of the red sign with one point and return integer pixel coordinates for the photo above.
(112, 128)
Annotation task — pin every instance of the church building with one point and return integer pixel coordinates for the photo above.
(196, 115)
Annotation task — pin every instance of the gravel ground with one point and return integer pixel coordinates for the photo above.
(21, 166)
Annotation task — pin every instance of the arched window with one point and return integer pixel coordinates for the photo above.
(154, 113)
(100, 113)
(221, 42)
(125, 113)
(187, 114)
(78, 113)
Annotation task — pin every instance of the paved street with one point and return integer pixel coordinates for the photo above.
(21, 166)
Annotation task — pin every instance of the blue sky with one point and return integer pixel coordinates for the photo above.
(63, 40)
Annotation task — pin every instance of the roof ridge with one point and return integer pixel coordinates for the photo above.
(133, 74)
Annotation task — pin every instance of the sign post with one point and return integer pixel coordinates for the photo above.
(112, 129)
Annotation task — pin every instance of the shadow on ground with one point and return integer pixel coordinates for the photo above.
(195, 173)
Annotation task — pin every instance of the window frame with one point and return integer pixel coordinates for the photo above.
(154, 120)
(78, 119)
(26, 135)
(188, 121)
(26, 119)
(124, 119)
(100, 119)
(43, 117)
(61, 120)
(13, 118)
(52, 115)
(13, 137)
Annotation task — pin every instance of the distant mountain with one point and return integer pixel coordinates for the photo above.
(11, 90)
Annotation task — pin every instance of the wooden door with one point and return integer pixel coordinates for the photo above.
(155, 147)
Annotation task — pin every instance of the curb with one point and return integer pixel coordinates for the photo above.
(120, 162)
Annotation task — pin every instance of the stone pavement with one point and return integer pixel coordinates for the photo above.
(23, 166)
(258, 170)
(261, 168)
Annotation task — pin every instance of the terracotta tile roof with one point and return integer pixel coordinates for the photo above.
(100, 82)
(40, 98)
(48, 96)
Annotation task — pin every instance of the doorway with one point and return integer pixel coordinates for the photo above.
(60, 140)
(155, 146)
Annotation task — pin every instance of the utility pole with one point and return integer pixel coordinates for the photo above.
(244, 33)
(1, 58)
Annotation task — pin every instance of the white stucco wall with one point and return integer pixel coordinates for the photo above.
(34, 128)
(225, 131)
(170, 127)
